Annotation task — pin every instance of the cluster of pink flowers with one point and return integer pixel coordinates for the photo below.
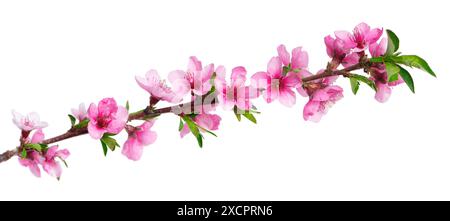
(286, 75)
(348, 48)
(46, 157)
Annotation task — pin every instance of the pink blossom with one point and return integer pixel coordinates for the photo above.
(138, 138)
(351, 59)
(379, 74)
(37, 137)
(106, 117)
(299, 58)
(33, 158)
(205, 121)
(336, 48)
(157, 88)
(195, 79)
(29, 122)
(275, 84)
(378, 49)
(320, 101)
(361, 38)
(50, 165)
(32, 161)
(80, 113)
(236, 93)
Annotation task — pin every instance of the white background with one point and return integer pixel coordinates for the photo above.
(56, 54)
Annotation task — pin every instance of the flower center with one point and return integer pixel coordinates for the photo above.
(103, 121)
(190, 78)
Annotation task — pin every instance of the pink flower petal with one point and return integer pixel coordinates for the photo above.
(121, 118)
(383, 92)
(53, 168)
(132, 149)
(311, 111)
(260, 80)
(299, 58)
(373, 35)
(38, 136)
(92, 111)
(287, 97)
(63, 154)
(274, 67)
(95, 132)
(284, 55)
(238, 76)
(145, 136)
(350, 60)
(291, 80)
(184, 131)
(194, 64)
(376, 49)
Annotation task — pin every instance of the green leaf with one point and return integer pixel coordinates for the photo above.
(393, 42)
(34, 146)
(82, 124)
(392, 71)
(414, 61)
(393, 78)
(65, 163)
(181, 125)
(194, 130)
(110, 142)
(73, 120)
(206, 130)
(286, 70)
(127, 106)
(377, 60)
(249, 116)
(24, 153)
(407, 78)
(363, 79)
(105, 147)
(238, 116)
(355, 85)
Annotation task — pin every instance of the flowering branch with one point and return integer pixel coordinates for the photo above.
(207, 88)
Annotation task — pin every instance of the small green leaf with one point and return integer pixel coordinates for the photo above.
(105, 147)
(194, 130)
(393, 42)
(24, 153)
(414, 61)
(127, 106)
(355, 85)
(206, 130)
(181, 125)
(82, 124)
(363, 79)
(65, 163)
(392, 71)
(393, 78)
(407, 78)
(250, 117)
(238, 116)
(34, 146)
(110, 142)
(73, 120)
(200, 140)
(377, 60)
(286, 70)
